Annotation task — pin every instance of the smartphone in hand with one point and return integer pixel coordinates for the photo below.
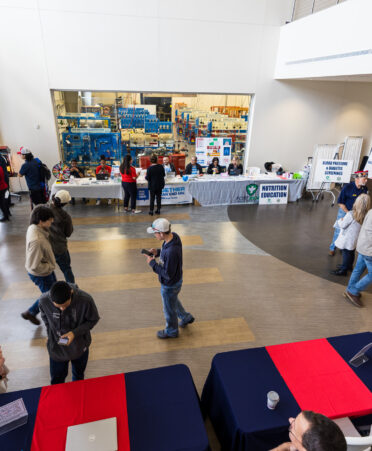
(146, 252)
(63, 341)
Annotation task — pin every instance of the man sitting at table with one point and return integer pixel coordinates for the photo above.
(193, 168)
(103, 168)
(78, 173)
(69, 314)
(311, 431)
(168, 166)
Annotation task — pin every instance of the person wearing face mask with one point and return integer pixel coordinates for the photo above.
(69, 314)
(346, 200)
(311, 431)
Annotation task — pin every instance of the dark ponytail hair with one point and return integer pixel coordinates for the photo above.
(125, 165)
(57, 201)
(29, 156)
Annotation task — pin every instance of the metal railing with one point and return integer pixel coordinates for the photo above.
(302, 8)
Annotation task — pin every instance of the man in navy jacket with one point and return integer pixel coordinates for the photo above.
(169, 271)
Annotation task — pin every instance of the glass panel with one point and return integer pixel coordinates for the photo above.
(111, 124)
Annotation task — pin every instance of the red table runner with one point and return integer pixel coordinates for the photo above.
(79, 402)
(320, 379)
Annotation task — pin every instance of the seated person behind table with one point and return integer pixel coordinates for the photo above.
(77, 173)
(235, 167)
(168, 167)
(193, 168)
(214, 167)
(103, 168)
(75, 170)
(311, 431)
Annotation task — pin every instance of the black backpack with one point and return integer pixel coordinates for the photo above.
(45, 173)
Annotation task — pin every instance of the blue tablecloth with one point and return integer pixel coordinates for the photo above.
(163, 412)
(235, 395)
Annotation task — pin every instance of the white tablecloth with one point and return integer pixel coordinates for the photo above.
(91, 189)
(176, 191)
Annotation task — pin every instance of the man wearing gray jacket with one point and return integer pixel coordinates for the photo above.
(69, 314)
(364, 249)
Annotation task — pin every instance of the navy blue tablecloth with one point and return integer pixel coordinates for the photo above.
(163, 412)
(235, 395)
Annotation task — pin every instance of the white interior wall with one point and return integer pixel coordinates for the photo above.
(334, 42)
(156, 46)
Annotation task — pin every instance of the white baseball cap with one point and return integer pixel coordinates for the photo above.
(23, 151)
(159, 225)
(63, 196)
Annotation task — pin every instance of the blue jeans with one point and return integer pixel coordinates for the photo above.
(45, 284)
(340, 214)
(64, 262)
(173, 308)
(356, 284)
(59, 370)
(347, 260)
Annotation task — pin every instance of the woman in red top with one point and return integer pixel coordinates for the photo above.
(128, 180)
(3, 202)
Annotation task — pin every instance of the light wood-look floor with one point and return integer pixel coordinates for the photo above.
(126, 218)
(127, 243)
(118, 282)
(133, 342)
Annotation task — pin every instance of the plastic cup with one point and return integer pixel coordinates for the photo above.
(272, 400)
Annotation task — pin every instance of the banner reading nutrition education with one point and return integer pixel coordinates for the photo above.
(338, 171)
(271, 193)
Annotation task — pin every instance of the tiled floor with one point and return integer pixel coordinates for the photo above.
(240, 295)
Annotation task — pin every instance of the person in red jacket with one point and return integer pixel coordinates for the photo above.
(3, 201)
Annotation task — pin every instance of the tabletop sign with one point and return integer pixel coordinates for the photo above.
(273, 194)
(338, 171)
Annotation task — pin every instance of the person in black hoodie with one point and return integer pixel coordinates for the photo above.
(169, 271)
(155, 177)
(68, 314)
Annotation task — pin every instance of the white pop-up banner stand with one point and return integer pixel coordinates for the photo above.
(337, 171)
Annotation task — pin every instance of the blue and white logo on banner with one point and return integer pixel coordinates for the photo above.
(143, 194)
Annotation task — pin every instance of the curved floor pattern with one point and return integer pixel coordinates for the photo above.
(297, 233)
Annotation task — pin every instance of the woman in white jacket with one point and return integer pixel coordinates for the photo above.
(350, 226)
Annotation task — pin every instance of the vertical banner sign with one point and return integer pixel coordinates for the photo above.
(337, 171)
(368, 166)
(208, 148)
(271, 193)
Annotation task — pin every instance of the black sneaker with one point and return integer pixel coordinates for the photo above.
(184, 324)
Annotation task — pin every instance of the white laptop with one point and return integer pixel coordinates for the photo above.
(95, 436)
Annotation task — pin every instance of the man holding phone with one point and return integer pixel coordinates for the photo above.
(69, 314)
(169, 271)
